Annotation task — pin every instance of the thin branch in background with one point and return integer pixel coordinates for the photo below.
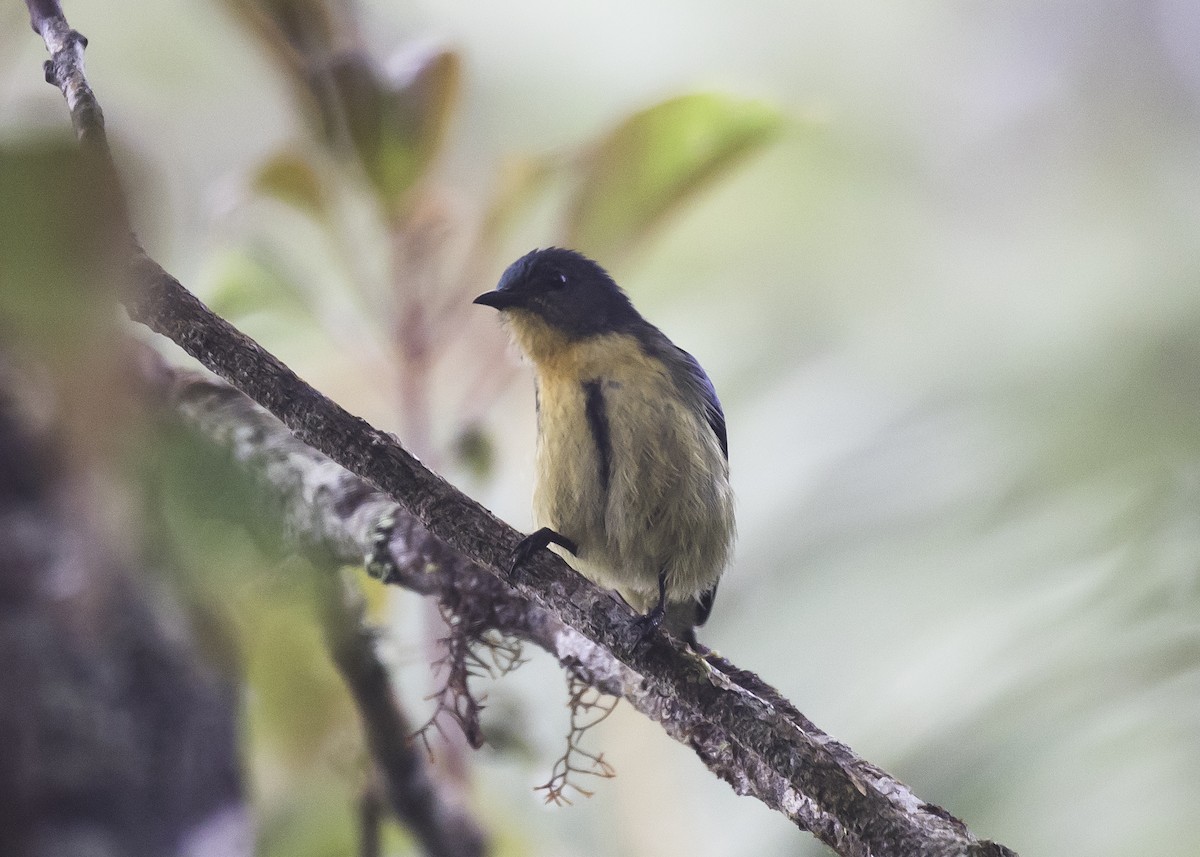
(758, 747)
(442, 826)
(370, 821)
(589, 707)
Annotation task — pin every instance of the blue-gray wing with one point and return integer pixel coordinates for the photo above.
(700, 381)
(692, 378)
(712, 405)
(689, 376)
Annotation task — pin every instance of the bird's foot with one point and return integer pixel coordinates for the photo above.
(647, 623)
(535, 542)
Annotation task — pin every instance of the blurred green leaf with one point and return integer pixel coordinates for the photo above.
(655, 160)
(62, 267)
(296, 34)
(474, 449)
(56, 262)
(317, 819)
(196, 480)
(246, 285)
(397, 126)
(223, 533)
(291, 178)
(357, 104)
(298, 704)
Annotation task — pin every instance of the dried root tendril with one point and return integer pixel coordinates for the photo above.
(588, 708)
(472, 651)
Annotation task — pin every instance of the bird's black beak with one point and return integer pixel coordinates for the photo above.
(497, 300)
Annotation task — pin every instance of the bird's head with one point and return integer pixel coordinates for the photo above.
(560, 293)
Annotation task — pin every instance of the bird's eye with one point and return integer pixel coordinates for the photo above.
(559, 281)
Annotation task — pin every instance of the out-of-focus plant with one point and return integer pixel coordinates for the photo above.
(399, 258)
(365, 175)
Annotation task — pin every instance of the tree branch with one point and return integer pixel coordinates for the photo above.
(742, 729)
(443, 828)
(328, 510)
(325, 513)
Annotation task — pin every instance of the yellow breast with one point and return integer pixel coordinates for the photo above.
(559, 358)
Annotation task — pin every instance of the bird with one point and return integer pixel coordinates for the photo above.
(631, 477)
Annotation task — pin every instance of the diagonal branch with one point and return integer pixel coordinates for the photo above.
(326, 509)
(742, 729)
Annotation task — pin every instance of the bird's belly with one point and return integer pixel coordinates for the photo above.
(567, 496)
(663, 504)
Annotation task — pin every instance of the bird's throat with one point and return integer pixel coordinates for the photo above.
(559, 357)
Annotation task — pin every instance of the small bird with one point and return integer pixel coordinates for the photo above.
(632, 468)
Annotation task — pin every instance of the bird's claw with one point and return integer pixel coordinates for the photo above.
(647, 623)
(535, 542)
(523, 551)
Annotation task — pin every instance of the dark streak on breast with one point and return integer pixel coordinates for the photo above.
(597, 419)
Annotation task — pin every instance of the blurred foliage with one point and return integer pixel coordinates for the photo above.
(249, 285)
(397, 126)
(363, 175)
(60, 273)
(55, 266)
(258, 616)
(391, 124)
(954, 333)
(290, 178)
(361, 178)
(654, 160)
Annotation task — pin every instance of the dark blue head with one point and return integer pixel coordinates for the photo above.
(567, 291)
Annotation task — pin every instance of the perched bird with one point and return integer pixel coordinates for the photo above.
(632, 472)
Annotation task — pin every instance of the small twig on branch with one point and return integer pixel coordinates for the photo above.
(740, 728)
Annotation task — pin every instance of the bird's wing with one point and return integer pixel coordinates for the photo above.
(704, 605)
(712, 405)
